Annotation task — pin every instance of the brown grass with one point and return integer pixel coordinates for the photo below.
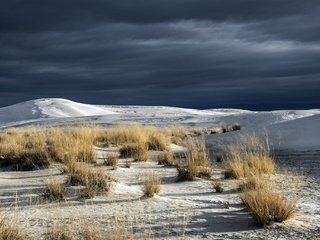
(54, 191)
(60, 232)
(9, 230)
(250, 156)
(151, 185)
(267, 206)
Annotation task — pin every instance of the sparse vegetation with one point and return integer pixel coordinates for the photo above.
(151, 185)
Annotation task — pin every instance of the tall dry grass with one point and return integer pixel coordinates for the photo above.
(54, 190)
(197, 161)
(60, 232)
(151, 185)
(9, 230)
(94, 180)
(28, 149)
(250, 156)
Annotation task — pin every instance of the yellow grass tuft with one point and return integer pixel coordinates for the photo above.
(167, 159)
(9, 230)
(151, 185)
(249, 157)
(197, 161)
(267, 206)
(54, 191)
(138, 151)
(94, 180)
(60, 232)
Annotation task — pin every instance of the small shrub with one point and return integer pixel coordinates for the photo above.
(267, 206)
(218, 187)
(54, 191)
(166, 159)
(60, 232)
(151, 185)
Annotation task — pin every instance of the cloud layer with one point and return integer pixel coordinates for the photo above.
(236, 53)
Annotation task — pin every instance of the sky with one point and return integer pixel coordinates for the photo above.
(250, 54)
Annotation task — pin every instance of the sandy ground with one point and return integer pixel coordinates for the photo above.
(182, 210)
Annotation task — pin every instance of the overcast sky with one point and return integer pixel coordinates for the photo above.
(254, 54)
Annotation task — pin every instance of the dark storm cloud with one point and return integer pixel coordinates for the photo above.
(193, 53)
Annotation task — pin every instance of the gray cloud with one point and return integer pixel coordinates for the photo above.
(241, 53)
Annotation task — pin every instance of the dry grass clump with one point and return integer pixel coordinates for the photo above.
(267, 206)
(54, 191)
(167, 159)
(112, 160)
(249, 156)
(60, 232)
(196, 162)
(9, 230)
(151, 185)
(72, 144)
(138, 151)
(94, 180)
